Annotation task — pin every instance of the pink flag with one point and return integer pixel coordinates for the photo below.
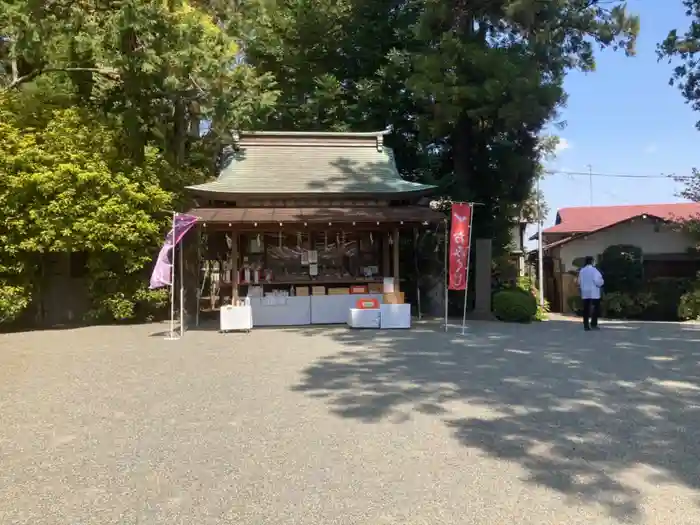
(163, 270)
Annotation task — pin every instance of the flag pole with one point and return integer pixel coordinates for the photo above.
(182, 289)
(466, 277)
(199, 273)
(447, 249)
(171, 335)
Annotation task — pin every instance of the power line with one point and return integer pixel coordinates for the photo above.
(670, 176)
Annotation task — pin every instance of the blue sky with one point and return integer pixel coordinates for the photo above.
(624, 118)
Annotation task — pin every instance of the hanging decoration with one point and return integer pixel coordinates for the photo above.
(298, 240)
(325, 240)
(279, 240)
(371, 238)
(343, 237)
(337, 240)
(391, 239)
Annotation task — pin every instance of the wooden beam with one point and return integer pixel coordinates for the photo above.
(386, 256)
(396, 258)
(234, 267)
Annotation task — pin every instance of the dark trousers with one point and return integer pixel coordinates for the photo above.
(591, 311)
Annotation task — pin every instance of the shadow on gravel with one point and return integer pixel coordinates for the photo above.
(576, 410)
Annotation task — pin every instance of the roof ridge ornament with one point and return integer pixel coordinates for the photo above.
(236, 138)
(380, 142)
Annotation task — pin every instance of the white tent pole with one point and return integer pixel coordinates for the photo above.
(199, 270)
(172, 284)
(182, 289)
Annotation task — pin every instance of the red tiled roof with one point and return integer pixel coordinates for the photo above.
(590, 218)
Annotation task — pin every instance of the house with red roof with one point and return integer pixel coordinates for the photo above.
(582, 231)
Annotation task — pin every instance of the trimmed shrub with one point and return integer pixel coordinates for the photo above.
(689, 307)
(667, 293)
(622, 268)
(514, 306)
(527, 285)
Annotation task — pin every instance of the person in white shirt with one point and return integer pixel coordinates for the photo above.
(590, 281)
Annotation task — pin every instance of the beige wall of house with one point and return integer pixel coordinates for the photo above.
(649, 236)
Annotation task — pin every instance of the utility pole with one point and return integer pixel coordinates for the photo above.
(540, 263)
(590, 183)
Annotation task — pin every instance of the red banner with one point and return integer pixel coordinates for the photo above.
(460, 236)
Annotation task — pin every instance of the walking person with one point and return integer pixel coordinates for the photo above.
(590, 281)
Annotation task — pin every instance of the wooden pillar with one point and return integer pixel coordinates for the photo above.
(190, 274)
(386, 256)
(482, 276)
(234, 266)
(396, 258)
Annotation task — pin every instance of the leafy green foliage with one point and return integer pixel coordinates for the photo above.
(622, 268)
(13, 301)
(667, 293)
(689, 307)
(514, 306)
(466, 89)
(621, 305)
(527, 285)
(156, 67)
(682, 49)
(100, 112)
(64, 188)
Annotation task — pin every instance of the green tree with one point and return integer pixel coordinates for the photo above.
(683, 49)
(466, 89)
(65, 188)
(101, 109)
(159, 67)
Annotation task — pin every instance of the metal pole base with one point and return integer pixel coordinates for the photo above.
(172, 337)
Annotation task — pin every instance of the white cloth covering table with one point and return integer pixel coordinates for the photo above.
(364, 318)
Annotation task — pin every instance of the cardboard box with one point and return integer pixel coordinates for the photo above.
(302, 291)
(359, 289)
(375, 288)
(318, 290)
(393, 298)
(339, 291)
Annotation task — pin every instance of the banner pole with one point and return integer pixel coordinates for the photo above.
(182, 289)
(466, 277)
(447, 248)
(199, 271)
(172, 285)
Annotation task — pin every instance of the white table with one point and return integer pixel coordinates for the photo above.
(364, 318)
(333, 309)
(395, 316)
(235, 318)
(284, 311)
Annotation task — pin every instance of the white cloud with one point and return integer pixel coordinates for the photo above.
(562, 146)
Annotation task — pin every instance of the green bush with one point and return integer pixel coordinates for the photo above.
(13, 301)
(527, 285)
(514, 306)
(622, 268)
(667, 293)
(689, 305)
(619, 305)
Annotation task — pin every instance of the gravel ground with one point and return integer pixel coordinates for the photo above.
(526, 425)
